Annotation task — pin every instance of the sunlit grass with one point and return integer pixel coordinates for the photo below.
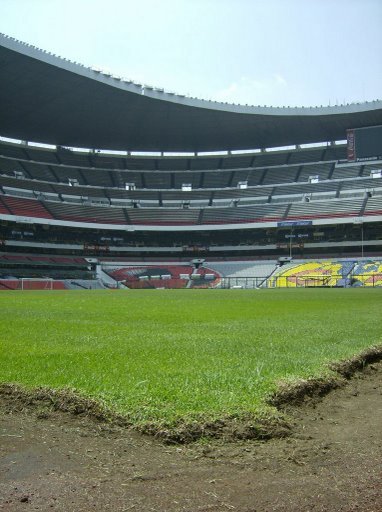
(164, 355)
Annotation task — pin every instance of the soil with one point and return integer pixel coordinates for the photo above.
(332, 461)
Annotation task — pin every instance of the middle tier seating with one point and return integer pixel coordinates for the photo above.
(247, 211)
(228, 189)
(25, 207)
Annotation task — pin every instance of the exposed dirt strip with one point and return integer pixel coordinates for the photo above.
(332, 461)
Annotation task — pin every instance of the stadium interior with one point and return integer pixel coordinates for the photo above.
(307, 214)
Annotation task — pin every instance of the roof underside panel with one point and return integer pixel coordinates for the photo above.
(52, 101)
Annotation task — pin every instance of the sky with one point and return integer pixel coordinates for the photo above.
(255, 52)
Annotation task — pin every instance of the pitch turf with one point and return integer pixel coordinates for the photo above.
(165, 355)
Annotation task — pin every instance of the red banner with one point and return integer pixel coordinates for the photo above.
(351, 145)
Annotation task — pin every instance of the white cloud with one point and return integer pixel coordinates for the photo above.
(254, 91)
(280, 79)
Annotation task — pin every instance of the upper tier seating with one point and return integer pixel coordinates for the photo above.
(103, 170)
(201, 162)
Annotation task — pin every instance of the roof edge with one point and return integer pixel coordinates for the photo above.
(159, 93)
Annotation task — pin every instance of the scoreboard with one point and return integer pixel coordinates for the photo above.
(364, 143)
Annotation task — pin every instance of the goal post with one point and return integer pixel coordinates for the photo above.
(35, 283)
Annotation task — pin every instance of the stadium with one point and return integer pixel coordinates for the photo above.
(255, 185)
(111, 190)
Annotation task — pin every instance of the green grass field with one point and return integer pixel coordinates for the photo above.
(169, 355)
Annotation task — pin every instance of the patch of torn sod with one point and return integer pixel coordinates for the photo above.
(297, 392)
(43, 401)
(271, 423)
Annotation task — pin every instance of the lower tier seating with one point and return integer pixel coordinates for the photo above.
(369, 273)
(328, 273)
(21, 284)
(164, 276)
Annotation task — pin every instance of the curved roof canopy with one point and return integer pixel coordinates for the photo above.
(48, 99)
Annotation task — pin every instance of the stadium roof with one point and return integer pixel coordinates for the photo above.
(45, 98)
